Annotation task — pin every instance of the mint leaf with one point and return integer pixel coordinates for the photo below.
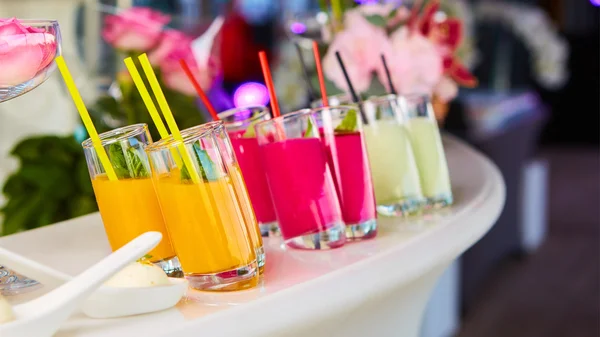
(118, 161)
(309, 129)
(136, 164)
(208, 169)
(349, 123)
(376, 20)
(250, 132)
(127, 164)
(393, 13)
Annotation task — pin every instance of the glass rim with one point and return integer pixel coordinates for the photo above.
(338, 107)
(188, 135)
(117, 135)
(283, 118)
(343, 94)
(39, 21)
(251, 119)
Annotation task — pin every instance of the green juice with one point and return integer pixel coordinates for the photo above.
(431, 160)
(393, 168)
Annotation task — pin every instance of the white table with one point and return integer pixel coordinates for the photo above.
(374, 288)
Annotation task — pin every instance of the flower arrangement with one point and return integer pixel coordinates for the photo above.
(420, 45)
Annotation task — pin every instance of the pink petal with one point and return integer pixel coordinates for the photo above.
(19, 64)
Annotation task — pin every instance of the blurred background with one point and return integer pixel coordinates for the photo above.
(535, 113)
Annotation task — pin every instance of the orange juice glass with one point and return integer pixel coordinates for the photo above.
(208, 219)
(239, 186)
(129, 205)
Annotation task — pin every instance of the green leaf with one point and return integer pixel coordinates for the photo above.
(250, 131)
(136, 164)
(393, 13)
(82, 205)
(376, 20)
(208, 169)
(310, 129)
(118, 161)
(349, 123)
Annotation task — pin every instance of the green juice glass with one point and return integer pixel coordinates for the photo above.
(428, 149)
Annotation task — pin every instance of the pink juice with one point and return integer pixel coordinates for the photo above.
(348, 160)
(302, 187)
(248, 156)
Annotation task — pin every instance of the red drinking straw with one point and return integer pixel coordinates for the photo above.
(320, 74)
(203, 97)
(264, 63)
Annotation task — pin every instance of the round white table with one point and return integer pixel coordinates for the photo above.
(374, 288)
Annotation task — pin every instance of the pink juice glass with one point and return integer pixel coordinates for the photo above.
(245, 145)
(347, 157)
(301, 184)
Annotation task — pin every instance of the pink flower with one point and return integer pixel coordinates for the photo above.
(176, 79)
(137, 28)
(415, 63)
(446, 90)
(384, 10)
(24, 51)
(360, 45)
(170, 40)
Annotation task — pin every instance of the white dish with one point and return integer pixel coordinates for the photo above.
(105, 302)
(110, 302)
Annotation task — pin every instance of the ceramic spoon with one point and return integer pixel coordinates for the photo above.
(106, 302)
(43, 316)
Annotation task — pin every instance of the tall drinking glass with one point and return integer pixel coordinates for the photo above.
(300, 181)
(240, 188)
(202, 209)
(239, 123)
(341, 131)
(429, 151)
(129, 206)
(393, 166)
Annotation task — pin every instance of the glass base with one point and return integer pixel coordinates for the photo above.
(12, 283)
(332, 237)
(261, 259)
(362, 231)
(230, 280)
(440, 201)
(269, 229)
(171, 266)
(404, 207)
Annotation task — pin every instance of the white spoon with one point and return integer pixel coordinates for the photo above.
(43, 316)
(105, 302)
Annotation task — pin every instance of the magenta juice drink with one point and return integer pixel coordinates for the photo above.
(247, 154)
(240, 127)
(353, 178)
(344, 144)
(301, 183)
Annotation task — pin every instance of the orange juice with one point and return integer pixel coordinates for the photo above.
(206, 225)
(250, 218)
(129, 207)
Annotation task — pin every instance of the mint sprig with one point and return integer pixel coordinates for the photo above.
(349, 123)
(208, 169)
(127, 164)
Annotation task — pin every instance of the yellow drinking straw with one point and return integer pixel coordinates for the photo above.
(158, 122)
(164, 107)
(85, 117)
(141, 86)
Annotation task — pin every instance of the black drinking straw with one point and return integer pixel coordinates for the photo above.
(309, 87)
(387, 73)
(355, 97)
